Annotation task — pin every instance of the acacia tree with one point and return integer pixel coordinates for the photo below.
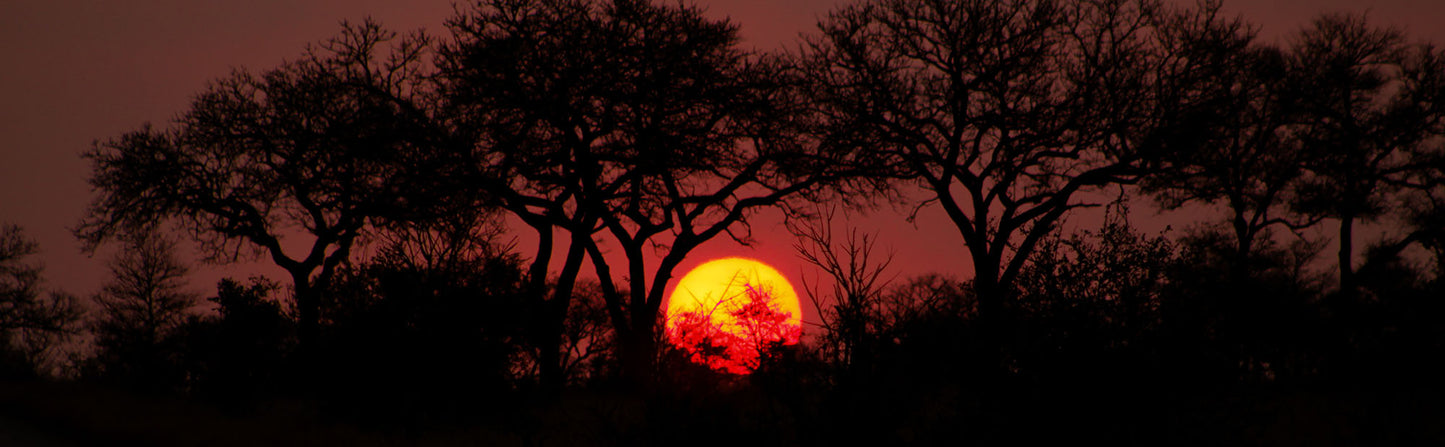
(714, 136)
(1008, 112)
(642, 121)
(1252, 163)
(1372, 124)
(317, 150)
(521, 82)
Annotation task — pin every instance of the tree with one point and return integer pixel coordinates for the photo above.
(853, 322)
(139, 311)
(1008, 112)
(1373, 120)
(31, 325)
(322, 147)
(1253, 162)
(517, 77)
(641, 121)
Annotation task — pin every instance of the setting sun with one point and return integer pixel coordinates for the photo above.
(727, 312)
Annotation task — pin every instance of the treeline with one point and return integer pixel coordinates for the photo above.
(643, 130)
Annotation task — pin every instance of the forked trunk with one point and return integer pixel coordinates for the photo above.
(554, 320)
(308, 312)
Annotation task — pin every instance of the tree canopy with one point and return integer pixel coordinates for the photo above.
(1008, 113)
(645, 123)
(320, 149)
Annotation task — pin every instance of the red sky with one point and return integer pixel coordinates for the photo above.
(78, 71)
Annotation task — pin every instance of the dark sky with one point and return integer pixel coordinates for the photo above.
(77, 71)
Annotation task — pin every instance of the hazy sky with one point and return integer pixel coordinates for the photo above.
(77, 71)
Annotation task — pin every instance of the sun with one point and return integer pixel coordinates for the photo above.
(728, 312)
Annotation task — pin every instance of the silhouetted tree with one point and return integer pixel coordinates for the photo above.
(1252, 162)
(139, 310)
(1008, 112)
(1373, 116)
(520, 78)
(851, 324)
(322, 147)
(31, 324)
(1418, 185)
(237, 354)
(643, 120)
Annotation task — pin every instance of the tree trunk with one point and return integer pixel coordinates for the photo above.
(554, 319)
(987, 289)
(1244, 243)
(1347, 268)
(638, 355)
(308, 325)
(308, 312)
(990, 319)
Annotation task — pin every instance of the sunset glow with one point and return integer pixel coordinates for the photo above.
(727, 312)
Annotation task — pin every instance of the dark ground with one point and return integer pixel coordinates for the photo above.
(51, 414)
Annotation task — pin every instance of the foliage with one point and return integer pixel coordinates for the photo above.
(1093, 303)
(240, 352)
(1115, 278)
(32, 326)
(423, 335)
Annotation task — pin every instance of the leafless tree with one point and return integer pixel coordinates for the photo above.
(139, 308)
(852, 321)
